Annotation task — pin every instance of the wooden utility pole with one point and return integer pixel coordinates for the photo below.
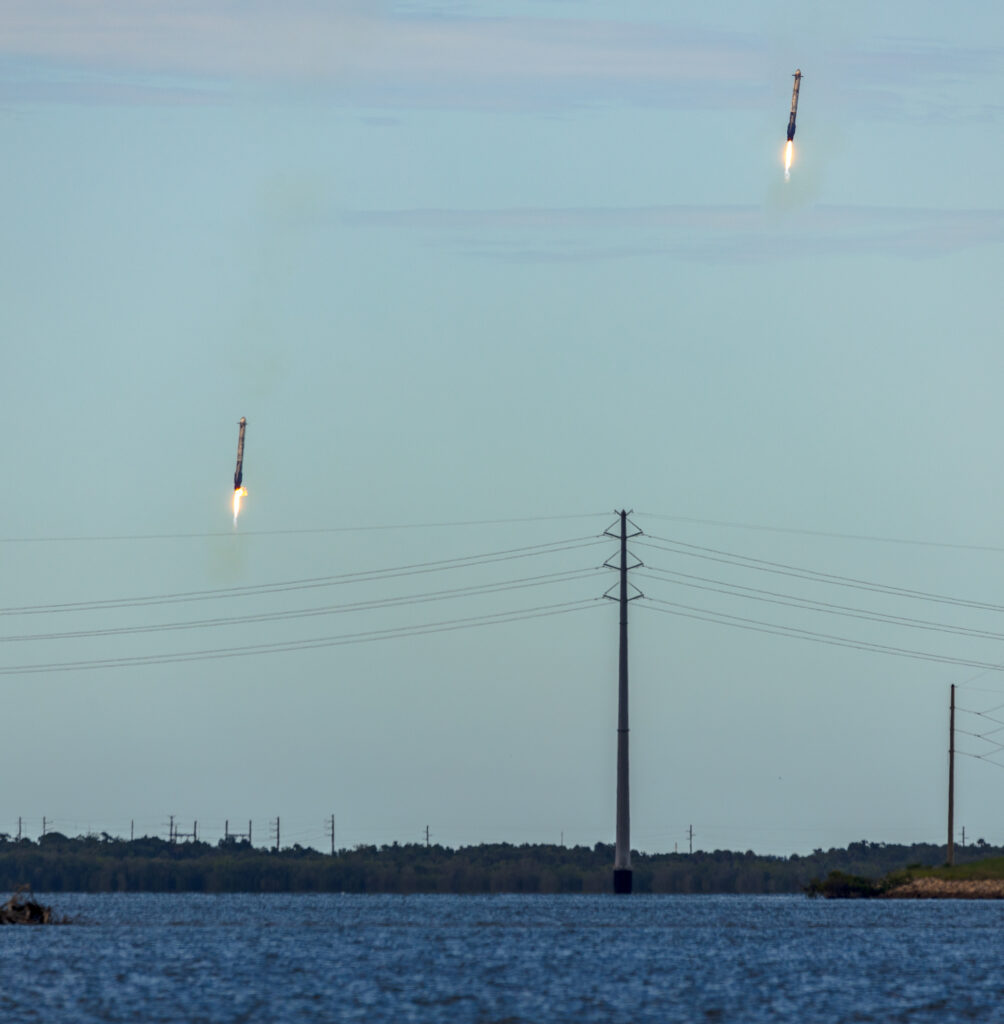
(332, 835)
(622, 848)
(690, 836)
(950, 859)
(228, 835)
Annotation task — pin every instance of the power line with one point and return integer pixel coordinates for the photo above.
(981, 736)
(249, 650)
(979, 689)
(294, 532)
(810, 604)
(284, 586)
(811, 575)
(980, 757)
(792, 632)
(376, 603)
(988, 714)
(821, 533)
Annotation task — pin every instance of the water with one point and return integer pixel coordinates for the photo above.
(460, 959)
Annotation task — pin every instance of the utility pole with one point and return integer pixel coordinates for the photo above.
(332, 835)
(950, 860)
(132, 830)
(19, 828)
(228, 835)
(426, 835)
(277, 844)
(171, 828)
(690, 833)
(622, 849)
(43, 824)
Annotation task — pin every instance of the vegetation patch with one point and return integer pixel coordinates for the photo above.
(983, 879)
(104, 863)
(838, 885)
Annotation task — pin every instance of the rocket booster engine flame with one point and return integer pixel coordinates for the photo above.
(787, 159)
(239, 492)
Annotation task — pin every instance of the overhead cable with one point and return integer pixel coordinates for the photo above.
(821, 533)
(758, 626)
(283, 586)
(249, 650)
(300, 613)
(811, 575)
(293, 532)
(810, 604)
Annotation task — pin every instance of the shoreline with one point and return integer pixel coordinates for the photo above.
(948, 889)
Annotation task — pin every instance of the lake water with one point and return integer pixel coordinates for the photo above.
(195, 958)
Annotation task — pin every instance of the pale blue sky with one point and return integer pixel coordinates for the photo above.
(460, 262)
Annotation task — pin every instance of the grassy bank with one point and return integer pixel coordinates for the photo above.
(981, 879)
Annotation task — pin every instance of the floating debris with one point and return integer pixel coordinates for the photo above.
(22, 908)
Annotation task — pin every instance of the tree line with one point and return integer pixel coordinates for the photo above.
(103, 863)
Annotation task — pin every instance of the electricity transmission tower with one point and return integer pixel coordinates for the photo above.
(622, 850)
(950, 854)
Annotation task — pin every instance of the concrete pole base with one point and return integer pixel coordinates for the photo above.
(622, 881)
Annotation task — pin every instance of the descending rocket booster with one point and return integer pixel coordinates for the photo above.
(794, 104)
(239, 471)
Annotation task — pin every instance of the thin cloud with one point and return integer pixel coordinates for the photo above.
(370, 53)
(304, 40)
(707, 233)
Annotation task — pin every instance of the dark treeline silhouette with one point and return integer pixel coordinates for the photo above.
(103, 863)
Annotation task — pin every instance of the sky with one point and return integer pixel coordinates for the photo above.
(478, 275)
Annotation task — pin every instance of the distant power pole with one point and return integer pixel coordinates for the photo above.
(950, 860)
(622, 850)
(132, 830)
(426, 835)
(19, 828)
(690, 834)
(170, 827)
(277, 844)
(43, 824)
(332, 835)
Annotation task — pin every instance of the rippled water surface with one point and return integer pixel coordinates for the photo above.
(504, 958)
